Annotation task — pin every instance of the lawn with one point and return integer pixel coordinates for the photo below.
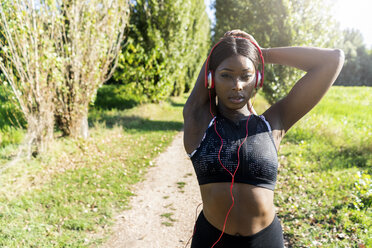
(324, 191)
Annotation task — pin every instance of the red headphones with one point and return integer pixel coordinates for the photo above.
(209, 78)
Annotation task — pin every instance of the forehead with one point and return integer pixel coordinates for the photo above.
(236, 63)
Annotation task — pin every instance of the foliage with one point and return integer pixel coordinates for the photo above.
(167, 41)
(10, 113)
(69, 196)
(357, 70)
(279, 23)
(116, 97)
(12, 121)
(11, 136)
(319, 157)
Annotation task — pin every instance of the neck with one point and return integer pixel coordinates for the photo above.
(233, 114)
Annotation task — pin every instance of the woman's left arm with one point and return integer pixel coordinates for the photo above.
(322, 67)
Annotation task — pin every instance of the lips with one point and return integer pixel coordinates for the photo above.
(236, 99)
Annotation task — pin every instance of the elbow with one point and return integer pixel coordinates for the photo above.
(338, 58)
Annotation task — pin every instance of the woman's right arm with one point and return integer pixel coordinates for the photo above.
(196, 113)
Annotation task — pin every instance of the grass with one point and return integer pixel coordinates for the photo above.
(68, 197)
(168, 216)
(320, 157)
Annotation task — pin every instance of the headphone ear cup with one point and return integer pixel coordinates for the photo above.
(261, 80)
(210, 81)
(258, 78)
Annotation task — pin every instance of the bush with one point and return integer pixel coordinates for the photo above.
(10, 114)
(11, 135)
(116, 97)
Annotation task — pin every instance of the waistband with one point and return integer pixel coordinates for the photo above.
(227, 236)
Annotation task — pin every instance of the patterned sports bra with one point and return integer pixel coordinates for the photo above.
(258, 155)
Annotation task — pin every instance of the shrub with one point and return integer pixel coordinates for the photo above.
(116, 97)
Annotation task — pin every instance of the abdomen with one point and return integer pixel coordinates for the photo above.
(253, 207)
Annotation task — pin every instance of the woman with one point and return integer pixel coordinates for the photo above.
(234, 151)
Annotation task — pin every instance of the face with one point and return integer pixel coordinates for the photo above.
(234, 81)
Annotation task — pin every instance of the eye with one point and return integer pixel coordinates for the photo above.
(246, 76)
(225, 75)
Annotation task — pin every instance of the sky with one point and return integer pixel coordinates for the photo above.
(349, 13)
(356, 14)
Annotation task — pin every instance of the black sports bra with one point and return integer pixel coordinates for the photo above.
(258, 155)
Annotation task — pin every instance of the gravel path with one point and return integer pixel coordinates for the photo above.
(164, 206)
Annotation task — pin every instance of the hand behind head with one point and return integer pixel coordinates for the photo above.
(240, 33)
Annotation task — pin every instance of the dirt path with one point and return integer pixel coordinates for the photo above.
(163, 210)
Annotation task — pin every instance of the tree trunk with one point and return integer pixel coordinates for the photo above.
(73, 123)
(79, 126)
(40, 125)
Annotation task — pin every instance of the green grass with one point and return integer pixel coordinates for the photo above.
(68, 197)
(317, 196)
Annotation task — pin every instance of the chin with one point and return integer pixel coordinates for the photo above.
(236, 106)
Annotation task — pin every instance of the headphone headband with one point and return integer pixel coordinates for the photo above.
(209, 82)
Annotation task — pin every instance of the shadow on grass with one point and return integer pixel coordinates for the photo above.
(176, 104)
(137, 123)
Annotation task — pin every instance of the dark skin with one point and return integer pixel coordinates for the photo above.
(234, 85)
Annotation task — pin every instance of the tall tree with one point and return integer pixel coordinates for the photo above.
(358, 60)
(87, 47)
(166, 42)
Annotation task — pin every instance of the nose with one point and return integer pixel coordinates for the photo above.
(238, 85)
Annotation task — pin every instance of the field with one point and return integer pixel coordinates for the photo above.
(324, 192)
(68, 197)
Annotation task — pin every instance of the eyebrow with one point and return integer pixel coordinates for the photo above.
(228, 69)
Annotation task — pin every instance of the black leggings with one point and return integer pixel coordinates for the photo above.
(206, 235)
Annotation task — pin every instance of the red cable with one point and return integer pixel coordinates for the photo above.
(232, 175)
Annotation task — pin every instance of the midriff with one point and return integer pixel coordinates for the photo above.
(253, 208)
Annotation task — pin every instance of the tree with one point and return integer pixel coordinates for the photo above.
(56, 54)
(166, 43)
(279, 23)
(358, 61)
(87, 47)
(28, 61)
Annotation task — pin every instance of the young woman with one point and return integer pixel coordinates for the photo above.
(234, 151)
